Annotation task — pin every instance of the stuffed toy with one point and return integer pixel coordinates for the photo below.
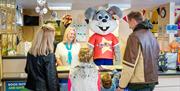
(67, 20)
(103, 44)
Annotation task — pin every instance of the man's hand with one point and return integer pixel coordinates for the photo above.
(119, 89)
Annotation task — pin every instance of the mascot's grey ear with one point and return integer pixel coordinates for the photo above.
(115, 11)
(89, 13)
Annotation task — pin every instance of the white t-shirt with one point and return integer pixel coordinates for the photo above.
(84, 77)
(62, 53)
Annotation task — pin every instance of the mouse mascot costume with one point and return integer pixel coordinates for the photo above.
(103, 44)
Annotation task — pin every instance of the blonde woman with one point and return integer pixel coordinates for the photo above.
(67, 50)
(40, 65)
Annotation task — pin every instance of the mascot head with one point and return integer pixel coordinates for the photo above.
(102, 21)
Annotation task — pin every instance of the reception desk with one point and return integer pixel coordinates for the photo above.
(13, 74)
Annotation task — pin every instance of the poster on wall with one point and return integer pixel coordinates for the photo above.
(81, 32)
(15, 86)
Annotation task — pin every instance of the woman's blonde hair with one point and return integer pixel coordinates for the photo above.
(43, 41)
(68, 29)
(84, 55)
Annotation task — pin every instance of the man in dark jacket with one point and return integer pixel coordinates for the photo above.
(140, 69)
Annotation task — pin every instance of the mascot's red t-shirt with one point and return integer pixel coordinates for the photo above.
(103, 45)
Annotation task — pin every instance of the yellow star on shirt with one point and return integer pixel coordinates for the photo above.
(106, 45)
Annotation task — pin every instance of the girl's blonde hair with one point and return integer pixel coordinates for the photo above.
(68, 29)
(43, 42)
(84, 55)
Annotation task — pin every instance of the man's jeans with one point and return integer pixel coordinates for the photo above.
(145, 89)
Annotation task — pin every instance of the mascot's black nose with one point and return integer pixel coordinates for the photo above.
(104, 20)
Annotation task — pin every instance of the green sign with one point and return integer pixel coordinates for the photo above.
(15, 86)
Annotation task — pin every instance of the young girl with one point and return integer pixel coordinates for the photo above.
(85, 76)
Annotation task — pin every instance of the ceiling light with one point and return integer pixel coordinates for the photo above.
(41, 7)
(60, 6)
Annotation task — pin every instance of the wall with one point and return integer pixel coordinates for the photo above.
(160, 23)
(163, 22)
(78, 18)
(77, 15)
(29, 31)
(163, 38)
(124, 31)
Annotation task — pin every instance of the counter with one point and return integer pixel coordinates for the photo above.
(169, 73)
(14, 57)
(167, 80)
(64, 70)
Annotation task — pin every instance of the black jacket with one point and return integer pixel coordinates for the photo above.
(42, 73)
